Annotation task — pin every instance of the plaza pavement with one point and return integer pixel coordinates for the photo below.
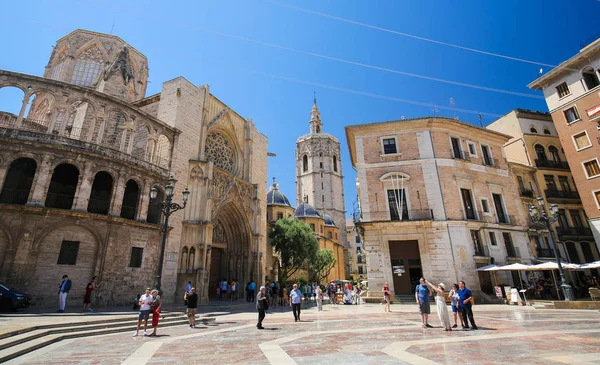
(347, 335)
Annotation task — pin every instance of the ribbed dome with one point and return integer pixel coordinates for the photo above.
(328, 220)
(276, 197)
(306, 210)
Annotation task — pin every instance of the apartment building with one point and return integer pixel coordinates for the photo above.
(437, 200)
(572, 92)
(357, 264)
(541, 169)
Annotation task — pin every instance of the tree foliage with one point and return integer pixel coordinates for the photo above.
(322, 264)
(295, 244)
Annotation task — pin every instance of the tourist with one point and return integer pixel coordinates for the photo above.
(386, 297)
(284, 295)
(454, 298)
(234, 286)
(248, 299)
(63, 290)
(466, 305)
(296, 302)
(440, 302)
(223, 289)
(319, 296)
(274, 294)
(145, 307)
(252, 289)
(331, 293)
(422, 294)
(191, 301)
(186, 291)
(219, 290)
(155, 305)
(262, 304)
(87, 299)
(348, 295)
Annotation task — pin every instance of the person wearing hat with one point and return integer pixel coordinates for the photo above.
(440, 302)
(261, 305)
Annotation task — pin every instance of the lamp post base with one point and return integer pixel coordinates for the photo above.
(567, 292)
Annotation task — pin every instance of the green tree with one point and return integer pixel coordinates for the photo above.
(322, 264)
(295, 244)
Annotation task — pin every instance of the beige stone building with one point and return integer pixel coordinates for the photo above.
(78, 161)
(541, 170)
(326, 232)
(572, 92)
(357, 263)
(437, 200)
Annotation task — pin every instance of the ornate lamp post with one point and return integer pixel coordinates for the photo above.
(540, 216)
(167, 207)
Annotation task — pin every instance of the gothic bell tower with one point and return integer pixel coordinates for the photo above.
(319, 179)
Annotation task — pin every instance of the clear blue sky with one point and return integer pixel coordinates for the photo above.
(167, 33)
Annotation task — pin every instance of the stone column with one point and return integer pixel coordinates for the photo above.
(22, 112)
(52, 121)
(144, 201)
(117, 198)
(3, 170)
(41, 182)
(84, 189)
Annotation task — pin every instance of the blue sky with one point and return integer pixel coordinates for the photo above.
(251, 77)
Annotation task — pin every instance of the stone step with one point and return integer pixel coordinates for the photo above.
(35, 341)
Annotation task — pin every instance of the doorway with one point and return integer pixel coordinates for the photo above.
(406, 266)
(216, 271)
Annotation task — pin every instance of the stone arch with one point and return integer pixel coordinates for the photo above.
(131, 199)
(101, 194)
(90, 60)
(540, 152)
(394, 175)
(141, 135)
(63, 185)
(79, 120)
(18, 181)
(154, 212)
(115, 124)
(40, 107)
(554, 153)
(13, 96)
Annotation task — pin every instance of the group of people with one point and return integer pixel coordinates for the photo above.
(461, 302)
(227, 290)
(295, 301)
(65, 287)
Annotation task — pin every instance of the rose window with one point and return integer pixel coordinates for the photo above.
(219, 151)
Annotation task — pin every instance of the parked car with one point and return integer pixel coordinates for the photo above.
(12, 299)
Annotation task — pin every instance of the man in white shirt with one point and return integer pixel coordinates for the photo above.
(145, 308)
(296, 301)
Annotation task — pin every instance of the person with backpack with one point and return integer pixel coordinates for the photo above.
(262, 304)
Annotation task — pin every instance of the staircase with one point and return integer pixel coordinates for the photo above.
(16, 343)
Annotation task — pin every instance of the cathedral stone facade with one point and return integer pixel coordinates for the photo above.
(79, 157)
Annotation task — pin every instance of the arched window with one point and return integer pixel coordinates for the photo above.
(305, 163)
(130, 200)
(154, 212)
(590, 78)
(220, 151)
(62, 187)
(540, 152)
(17, 183)
(101, 191)
(192, 258)
(546, 131)
(88, 66)
(533, 130)
(554, 153)
(335, 163)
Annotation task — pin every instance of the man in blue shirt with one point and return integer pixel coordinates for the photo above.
(422, 294)
(63, 290)
(252, 290)
(466, 305)
(296, 302)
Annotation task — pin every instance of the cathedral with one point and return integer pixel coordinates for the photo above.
(79, 157)
(319, 195)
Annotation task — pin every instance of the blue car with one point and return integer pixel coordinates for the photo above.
(12, 299)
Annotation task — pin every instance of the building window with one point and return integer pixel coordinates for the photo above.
(68, 253)
(532, 130)
(305, 163)
(335, 163)
(279, 216)
(472, 149)
(312, 226)
(467, 200)
(500, 212)
(320, 165)
(563, 181)
(562, 219)
(485, 206)
(572, 115)
(546, 131)
(554, 153)
(581, 140)
(456, 150)
(86, 72)
(397, 204)
(550, 184)
(563, 90)
(540, 152)
(329, 235)
(357, 240)
(487, 156)
(591, 168)
(590, 78)
(510, 248)
(57, 71)
(323, 198)
(597, 197)
(493, 241)
(136, 257)
(389, 146)
(576, 218)
(477, 243)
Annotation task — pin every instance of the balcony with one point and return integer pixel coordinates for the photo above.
(407, 215)
(560, 195)
(463, 156)
(551, 164)
(526, 193)
(544, 252)
(574, 233)
(481, 251)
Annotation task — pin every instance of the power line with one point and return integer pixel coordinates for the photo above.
(341, 60)
(408, 34)
(298, 81)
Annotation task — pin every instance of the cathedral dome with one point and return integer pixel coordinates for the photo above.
(306, 210)
(328, 220)
(276, 197)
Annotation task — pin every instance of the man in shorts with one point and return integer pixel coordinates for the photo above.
(145, 308)
(422, 294)
(192, 306)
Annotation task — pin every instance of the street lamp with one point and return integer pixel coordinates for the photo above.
(539, 216)
(167, 207)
